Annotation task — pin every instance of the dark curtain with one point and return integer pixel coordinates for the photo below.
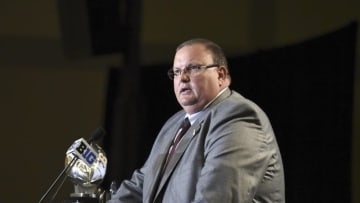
(307, 91)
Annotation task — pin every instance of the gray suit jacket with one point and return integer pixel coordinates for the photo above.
(229, 154)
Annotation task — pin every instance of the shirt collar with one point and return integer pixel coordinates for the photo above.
(222, 91)
(193, 117)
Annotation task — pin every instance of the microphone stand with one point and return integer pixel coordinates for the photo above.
(98, 133)
(71, 164)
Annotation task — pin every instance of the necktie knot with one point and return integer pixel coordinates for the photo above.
(185, 125)
(181, 131)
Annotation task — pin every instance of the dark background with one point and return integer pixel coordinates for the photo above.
(307, 91)
(67, 67)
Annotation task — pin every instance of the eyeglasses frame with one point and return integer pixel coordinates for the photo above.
(188, 69)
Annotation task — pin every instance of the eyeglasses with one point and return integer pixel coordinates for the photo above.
(190, 69)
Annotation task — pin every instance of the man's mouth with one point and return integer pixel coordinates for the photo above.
(184, 90)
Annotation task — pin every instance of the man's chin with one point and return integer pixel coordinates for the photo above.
(186, 102)
(190, 109)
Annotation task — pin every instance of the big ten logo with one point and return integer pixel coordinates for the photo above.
(102, 159)
(87, 154)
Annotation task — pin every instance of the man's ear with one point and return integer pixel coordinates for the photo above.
(223, 72)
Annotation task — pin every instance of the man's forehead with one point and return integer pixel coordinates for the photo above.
(192, 55)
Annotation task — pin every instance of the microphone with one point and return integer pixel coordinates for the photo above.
(96, 135)
(82, 152)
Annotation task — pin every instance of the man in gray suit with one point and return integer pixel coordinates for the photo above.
(228, 154)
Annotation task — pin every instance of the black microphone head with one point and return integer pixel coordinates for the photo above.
(97, 134)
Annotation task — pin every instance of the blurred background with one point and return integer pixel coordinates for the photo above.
(68, 67)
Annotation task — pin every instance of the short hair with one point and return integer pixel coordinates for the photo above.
(217, 53)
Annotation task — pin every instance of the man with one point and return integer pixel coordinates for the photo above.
(228, 154)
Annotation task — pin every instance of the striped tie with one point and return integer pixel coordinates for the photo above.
(180, 133)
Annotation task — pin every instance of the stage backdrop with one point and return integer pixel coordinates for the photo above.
(307, 91)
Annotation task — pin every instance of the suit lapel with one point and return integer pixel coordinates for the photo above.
(180, 149)
(157, 172)
(182, 146)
